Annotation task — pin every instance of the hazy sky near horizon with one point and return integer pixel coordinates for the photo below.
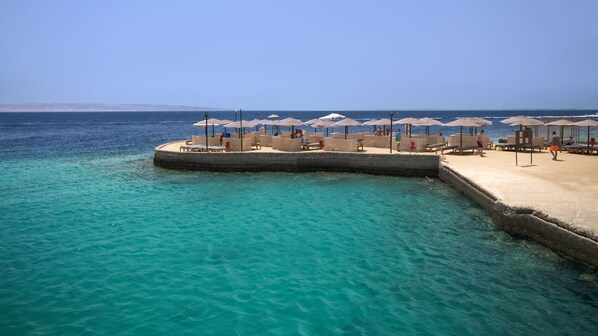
(304, 54)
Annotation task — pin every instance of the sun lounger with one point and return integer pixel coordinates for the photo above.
(461, 150)
(313, 145)
(505, 146)
(443, 148)
(579, 149)
(201, 148)
(434, 147)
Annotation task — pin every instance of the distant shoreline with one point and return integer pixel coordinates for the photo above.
(91, 108)
(58, 107)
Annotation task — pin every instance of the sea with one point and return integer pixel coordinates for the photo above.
(96, 240)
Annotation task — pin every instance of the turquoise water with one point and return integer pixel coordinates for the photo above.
(109, 244)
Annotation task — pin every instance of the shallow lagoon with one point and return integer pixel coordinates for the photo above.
(107, 244)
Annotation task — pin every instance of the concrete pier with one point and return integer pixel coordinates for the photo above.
(259, 160)
(552, 202)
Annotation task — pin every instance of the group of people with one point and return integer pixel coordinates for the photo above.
(299, 134)
(381, 132)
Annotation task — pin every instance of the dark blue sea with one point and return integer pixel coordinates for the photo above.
(95, 240)
(74, 133)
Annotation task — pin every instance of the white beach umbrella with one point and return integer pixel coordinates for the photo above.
(427, 122)
(461, 122)
(323, 124)
(530, 122)
(369, 122)
(239, 124)
(481, 121)
(290, 122)
(346, 123)
(522, 120)
(589, 123)
(408, 122)
(562, 123)
(210, 122)
(332, 116)
(313, 121)
(511, 120)
(380, 122)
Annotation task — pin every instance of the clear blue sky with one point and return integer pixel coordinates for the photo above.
(302, 54)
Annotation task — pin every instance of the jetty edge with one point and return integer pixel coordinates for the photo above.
(556, 234)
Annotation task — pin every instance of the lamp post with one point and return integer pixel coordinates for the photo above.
(241, 124)
(206, 115)
(391, 115)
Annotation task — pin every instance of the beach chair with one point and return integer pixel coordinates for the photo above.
(462, 150)
(434, 147)
(313, 145)
(504, 146)
(443, 148)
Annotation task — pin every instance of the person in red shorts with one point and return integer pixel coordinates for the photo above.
(554, 145)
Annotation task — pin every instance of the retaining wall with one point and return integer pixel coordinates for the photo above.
(403, 165)
(527, 222)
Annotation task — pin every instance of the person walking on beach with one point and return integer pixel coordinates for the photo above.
(554, 145)
(480, 143)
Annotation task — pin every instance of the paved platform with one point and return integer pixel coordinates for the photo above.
(566, 189)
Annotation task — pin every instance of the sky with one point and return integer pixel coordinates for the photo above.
(302, 55)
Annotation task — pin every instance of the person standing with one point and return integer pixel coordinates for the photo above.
(554, 145)
(398, 139)
(480, 143)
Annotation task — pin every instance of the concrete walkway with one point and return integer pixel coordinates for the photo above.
(566, 190)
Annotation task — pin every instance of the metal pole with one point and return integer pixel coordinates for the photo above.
(241, 124)
(206, 115)
(391, 115)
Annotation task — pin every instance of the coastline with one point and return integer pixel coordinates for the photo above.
(567, 228)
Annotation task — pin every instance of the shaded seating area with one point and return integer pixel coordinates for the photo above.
(579, 149)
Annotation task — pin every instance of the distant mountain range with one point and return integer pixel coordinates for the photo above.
(55, 107)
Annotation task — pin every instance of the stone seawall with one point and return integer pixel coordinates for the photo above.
(527, 222)
(403, 165)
